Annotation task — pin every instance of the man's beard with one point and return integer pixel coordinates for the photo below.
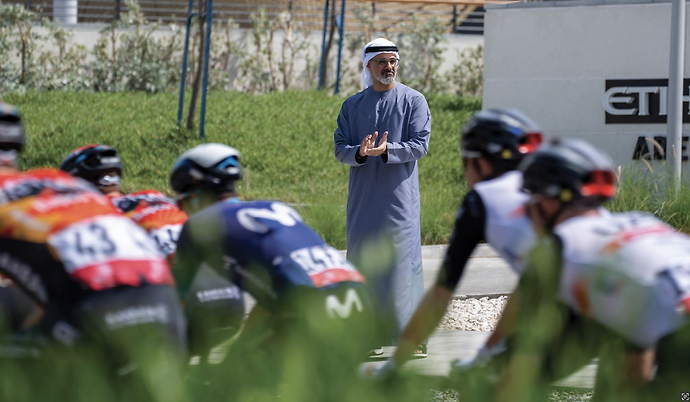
(386, 80)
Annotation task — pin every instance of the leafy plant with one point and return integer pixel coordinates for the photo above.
(422, 43)
(468, 75)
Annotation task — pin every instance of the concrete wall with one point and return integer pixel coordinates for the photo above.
(552, 60)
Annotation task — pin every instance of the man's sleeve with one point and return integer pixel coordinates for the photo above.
(419, 129)
(346, 152)
(468, 231)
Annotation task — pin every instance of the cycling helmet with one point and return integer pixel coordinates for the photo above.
(91, 162)
(212, 166)
(11, 129)
(502, 136)
(571, 170)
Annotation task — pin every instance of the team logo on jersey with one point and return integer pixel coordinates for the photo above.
(344, 309)
(28, 185)
(628, 236)
(254, 219)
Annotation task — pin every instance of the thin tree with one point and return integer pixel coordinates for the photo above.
(196, 85)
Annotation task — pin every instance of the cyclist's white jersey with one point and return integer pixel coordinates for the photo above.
(507, 227)
(628, 271)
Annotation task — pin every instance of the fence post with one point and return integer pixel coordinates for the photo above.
(455, 18)
(674, 124)
(180, 105)
(118, 5)
(323, 45)
(289, 21)
(207, 51)
(341, 30)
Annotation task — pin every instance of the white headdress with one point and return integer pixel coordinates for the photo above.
(371, 50)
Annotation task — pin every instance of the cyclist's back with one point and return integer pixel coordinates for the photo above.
(266, 249)
(105, 288)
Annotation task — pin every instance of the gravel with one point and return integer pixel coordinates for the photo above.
(482, 315)
(473, 314)
(449, 395)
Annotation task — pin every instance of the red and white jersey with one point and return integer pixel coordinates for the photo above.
(628, 271)
(507, 227)
(96, 245)
(156, 213)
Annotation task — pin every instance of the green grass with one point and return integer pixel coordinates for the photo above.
(286, 141)
(642, 189)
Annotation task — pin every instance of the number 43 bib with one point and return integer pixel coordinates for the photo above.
(109, 251)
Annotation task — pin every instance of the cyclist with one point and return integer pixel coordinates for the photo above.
(216, 310)
(310, 306)
(105, 288)
(17, 311)
(616, 285)
(493, 144)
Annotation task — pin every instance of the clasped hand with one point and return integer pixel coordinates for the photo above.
(368, 146)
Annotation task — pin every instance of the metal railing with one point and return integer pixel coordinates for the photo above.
(463, 19)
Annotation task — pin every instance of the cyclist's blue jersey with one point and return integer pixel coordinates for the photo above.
(263, 247)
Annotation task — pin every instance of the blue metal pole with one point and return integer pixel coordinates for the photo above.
(340, 45)
(209, 23)
(180, 104)
(323, 45)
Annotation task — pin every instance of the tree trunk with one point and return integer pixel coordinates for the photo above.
(196, 85)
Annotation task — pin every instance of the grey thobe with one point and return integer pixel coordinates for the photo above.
(383, 194)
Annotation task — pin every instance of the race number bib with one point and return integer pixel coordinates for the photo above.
(325, 265)
(166, 238)
(109, 251)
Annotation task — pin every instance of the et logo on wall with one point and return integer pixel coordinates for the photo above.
(644, 101)
(640, 101)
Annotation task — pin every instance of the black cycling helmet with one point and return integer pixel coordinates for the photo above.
(91, 162)
(502, 136)
(11, 129)
(571, 170)
(214, 167)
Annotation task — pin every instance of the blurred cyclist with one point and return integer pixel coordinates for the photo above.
(311, 320)
(614, 285)
(17, 311)
(493, 144)
(105, 288)
(216, 309)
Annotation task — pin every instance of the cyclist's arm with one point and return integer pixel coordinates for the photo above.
(537, 321)
(187, 260)
(256, 328)
(468, 231)
(200, 244)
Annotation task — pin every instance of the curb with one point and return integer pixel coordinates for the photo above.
(483, 250)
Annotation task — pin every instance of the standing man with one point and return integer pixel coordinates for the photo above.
(382, 132)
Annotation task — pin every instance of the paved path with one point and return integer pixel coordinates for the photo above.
(485, 275)
(448, 345)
